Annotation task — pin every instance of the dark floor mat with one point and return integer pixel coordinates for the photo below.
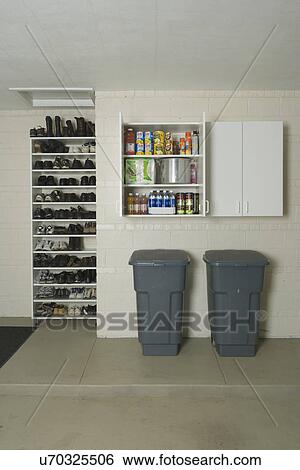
(11, 339)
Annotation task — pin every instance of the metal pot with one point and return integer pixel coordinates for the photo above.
(174, 170)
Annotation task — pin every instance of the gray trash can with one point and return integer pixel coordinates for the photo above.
(159, 282)
(234, 283)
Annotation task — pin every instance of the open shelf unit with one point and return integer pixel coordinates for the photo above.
(88, 241)
(178, 130)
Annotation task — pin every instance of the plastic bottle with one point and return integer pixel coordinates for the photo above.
(144, 204)
(193, 172)
(129, 142)
(165, 199)
(136, 205)
(159, 200)
(172, 200)
(195, 143)
(130, 204)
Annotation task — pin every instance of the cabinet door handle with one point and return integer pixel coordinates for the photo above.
(206, 206)
(247, 207)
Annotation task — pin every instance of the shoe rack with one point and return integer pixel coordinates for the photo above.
(64, 245)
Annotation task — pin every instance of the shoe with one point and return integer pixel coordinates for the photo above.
(41, 230)
(48, 245)
(84, 181)
(89, 164)
(71, 311)
(39, 214)
(49, 129)
(40, 197)
(65, 131)
(39, 165)
(32, 132)
(48, 165)
(73, 182)
(57, 164)
(77, 312)
(91, 197)
(63, 182)
(92, 180)
(85, 148)
(48, 213)
(49, 230)
(50, 181)
(59, 230)
(80, 130)
(40, 131)
(58, 132)
(48, 198)
(42, 180)
(93, 147)
(90, 129)
(76, 165)
(66, 164)
(71, 132)
(75, 244)
(83, 197)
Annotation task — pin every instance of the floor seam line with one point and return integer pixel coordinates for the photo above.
(220, 367)
(86, 363)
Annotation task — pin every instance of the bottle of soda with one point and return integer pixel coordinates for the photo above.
(136, 205)
(144, 204)
(130, 204)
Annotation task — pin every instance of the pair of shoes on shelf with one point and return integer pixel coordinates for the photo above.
(75, 229)
(41, 260)
(43, 213)
(43, 165)
(90, 228)
(47, 245)
(47, 180)
(87, 147)
(88, 197)
(75, 244)
(68, 182)
(54, 196)
(87, 276)
(88, 181)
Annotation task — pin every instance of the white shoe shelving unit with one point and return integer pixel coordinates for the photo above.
(178, 128)
(88, 240)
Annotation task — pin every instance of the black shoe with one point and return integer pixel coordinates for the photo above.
(58, 132)
(89, 164)
(91, 197)
(84, 197)
(65, 131)
(48, 213)
(71, 132)
(90, 129)
(50, 181)
(42, 180)
(73, 182)
(49, 128)
(57, 164)
(40, 131)
(81, 130)
(84, 181)
(39, 214)
(32, 132)
(48, 165)
(76, 165)
(92, 180)
(66, 164)
(63, 182)
(39, 165)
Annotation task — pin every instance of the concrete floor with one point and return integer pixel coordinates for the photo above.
(68, 390)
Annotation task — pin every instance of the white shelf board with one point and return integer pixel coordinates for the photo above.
(63, 138)
(188, 185)
(62, 268)
(48, 203)
(37, 284)
(62, 155)
(68, 235)
(63, 220)
(62, 301)
(65, 317)
(64, 187)
(65, 170)
(64, 252)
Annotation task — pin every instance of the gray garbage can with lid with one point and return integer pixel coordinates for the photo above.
(234, 283)
(159, 281)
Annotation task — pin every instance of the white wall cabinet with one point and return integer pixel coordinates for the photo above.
(246, 169)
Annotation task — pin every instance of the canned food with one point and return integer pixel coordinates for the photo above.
(148, 143)
(159, 142)
(182, 146)
(189, 203)
(196, 203)
(169, 143)
(180, 203)
(140, 143)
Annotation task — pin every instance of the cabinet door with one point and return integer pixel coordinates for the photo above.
(225, 169)
(263, 168)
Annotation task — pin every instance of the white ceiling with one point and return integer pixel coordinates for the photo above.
(147, 44)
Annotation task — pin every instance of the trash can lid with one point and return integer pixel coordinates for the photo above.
(235, 258)
(159, 258)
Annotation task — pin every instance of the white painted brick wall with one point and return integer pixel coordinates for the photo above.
(278, 238)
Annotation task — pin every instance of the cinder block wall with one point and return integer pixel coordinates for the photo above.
(278, 238)
(15, 208)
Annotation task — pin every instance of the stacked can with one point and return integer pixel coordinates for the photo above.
(140, 143)
(169, 143)
(159, 142)
(187, 203)
(148, 143)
